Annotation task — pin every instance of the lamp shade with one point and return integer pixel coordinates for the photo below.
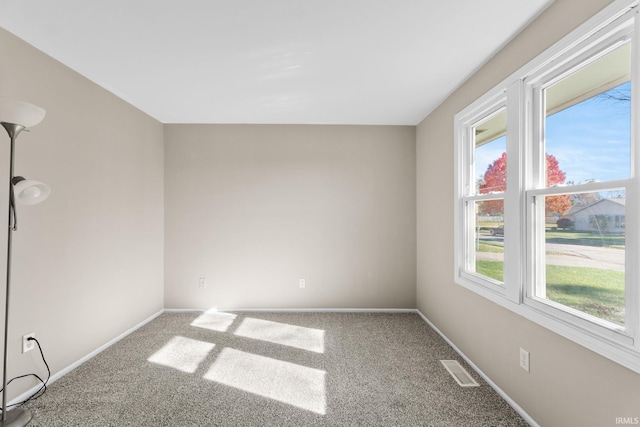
(20, 112)
(29, 192)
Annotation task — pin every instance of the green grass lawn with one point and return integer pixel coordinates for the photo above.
(491, 269)
(594, 291)
(490, 247)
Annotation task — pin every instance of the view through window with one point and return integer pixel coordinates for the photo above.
(490, 153)
(587, 139)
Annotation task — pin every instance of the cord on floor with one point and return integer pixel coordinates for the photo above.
(42, 389)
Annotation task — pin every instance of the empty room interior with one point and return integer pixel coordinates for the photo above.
(252, 164)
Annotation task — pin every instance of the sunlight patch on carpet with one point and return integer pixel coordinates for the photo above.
(214, 321)
(183, 354)
(285, 382)
(282, 333)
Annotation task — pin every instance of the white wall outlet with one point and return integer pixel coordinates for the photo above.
(202, 282)
(524, 359)
(27, 344)
(302, 283)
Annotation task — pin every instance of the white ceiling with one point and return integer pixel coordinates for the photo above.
(273, 61)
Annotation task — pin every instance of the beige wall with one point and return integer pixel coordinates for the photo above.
(255, 208)
(568, 385)
(88, 261)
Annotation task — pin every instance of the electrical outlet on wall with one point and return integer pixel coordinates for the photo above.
(302, 283)
(524, 359)
(27, 344)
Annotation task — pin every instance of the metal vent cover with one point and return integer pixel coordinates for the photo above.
(461, 376)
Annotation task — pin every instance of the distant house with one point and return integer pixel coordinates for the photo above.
(605, 215)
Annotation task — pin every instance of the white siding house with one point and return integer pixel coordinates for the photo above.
(605, 215)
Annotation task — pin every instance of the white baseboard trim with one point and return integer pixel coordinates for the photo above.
(295, 310)
(493, 385)
(79, 362)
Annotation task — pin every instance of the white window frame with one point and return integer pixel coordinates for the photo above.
(487, 109)
(524, 247)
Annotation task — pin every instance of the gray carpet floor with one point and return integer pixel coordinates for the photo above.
(273, 369)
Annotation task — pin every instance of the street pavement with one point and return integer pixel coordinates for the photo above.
(574, 256)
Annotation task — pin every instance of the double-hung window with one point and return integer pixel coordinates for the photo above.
(482, 194)
(547, 219)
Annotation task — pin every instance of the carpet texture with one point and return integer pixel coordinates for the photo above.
(273, 369)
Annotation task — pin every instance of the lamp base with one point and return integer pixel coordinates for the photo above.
(16, 418)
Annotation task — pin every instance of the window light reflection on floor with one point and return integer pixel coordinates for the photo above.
(214, 320)
(183, 354)
(281, 333)
(285, 382)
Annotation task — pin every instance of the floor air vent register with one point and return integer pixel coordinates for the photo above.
(461, 376)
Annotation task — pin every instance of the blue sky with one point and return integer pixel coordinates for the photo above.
(590, 140)
(601, 128)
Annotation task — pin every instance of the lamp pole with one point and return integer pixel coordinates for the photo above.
(17, 417)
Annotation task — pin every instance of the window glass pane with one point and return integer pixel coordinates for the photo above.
(490, 147)
(585, 255)
(489, 239)
(588, 122)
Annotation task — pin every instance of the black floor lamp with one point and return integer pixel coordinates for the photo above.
(15, 116)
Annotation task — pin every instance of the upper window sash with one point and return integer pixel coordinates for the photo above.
(466, 123)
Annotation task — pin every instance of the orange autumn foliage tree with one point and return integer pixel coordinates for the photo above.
(495, 180)
(553, 205)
